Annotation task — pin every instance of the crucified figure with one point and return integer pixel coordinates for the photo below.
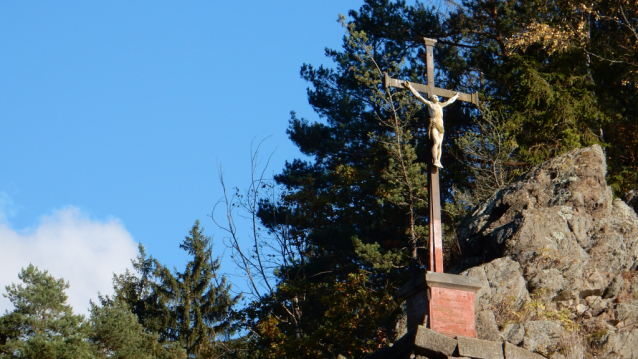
(435, 130)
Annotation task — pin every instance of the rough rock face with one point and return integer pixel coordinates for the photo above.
(559, 261)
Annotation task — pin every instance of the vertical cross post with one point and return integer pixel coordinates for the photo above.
(436, 236)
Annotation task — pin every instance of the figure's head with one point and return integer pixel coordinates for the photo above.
(434, 98)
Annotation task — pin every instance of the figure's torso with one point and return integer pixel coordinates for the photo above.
(436, 112)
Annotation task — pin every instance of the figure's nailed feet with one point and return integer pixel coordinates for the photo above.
(438, 164)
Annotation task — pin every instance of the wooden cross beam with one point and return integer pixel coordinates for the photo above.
(436, 236)
(429, 89)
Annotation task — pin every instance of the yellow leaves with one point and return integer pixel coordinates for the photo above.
(268, 326)
(270, 333)
(558, 37)
(571, 28)
(346, 173)
(553, 39)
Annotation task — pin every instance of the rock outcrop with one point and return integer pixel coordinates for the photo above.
(557, 255)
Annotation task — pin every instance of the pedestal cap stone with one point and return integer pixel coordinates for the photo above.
(441, 280)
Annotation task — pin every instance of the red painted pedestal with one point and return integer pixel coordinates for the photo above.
(443, 302)
(452, 312)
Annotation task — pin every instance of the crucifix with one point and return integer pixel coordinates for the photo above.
(436, 238)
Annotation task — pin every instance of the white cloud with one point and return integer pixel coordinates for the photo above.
(70, 245)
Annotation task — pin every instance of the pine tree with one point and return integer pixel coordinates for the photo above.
(116, 333)
(41, 325)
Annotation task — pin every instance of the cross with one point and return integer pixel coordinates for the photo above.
(436, 237)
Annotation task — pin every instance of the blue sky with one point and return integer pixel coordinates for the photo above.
(114, 118)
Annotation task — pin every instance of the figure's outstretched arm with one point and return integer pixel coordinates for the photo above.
(443, 104)
(416, 93)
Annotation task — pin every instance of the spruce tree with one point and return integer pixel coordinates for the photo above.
(198, 303)
(193, 309)
(138, 292)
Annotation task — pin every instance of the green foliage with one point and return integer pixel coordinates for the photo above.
(350, 222)
(563, 73)
(553, 76)
(159, 314)
(199, 306)
(116, 333)
(371, 256)
(325, 313)
(192, 309)
(359, 206)
(138, 292)
(487, 150)
(41, 325)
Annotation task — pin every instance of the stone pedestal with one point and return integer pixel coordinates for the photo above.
(443, 302)
(422, 342)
